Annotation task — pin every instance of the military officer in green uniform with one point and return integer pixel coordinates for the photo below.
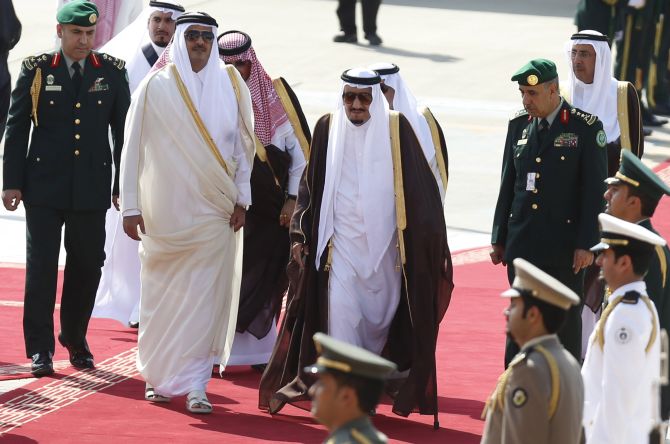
(64, 102)
(351, 381)
(603, 16)
(540, 397)
(633, 194)
(554, 165)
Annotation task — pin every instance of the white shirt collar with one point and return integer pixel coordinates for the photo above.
(639, 286)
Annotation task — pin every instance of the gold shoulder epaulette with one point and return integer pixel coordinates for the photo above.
(33, 62)
(359, 437)
(589, 119)
(118, 63)
(521, 112)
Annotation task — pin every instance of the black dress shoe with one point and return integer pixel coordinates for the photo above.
(374, 39)
(42, 364)
(133, 324)
(646, 132)
(80, 357)
(345, 38)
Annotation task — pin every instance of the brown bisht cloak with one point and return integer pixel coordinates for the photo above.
(426, 287)
(266, 243)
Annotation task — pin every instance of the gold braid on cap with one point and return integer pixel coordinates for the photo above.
(335, 365)
(620, 175)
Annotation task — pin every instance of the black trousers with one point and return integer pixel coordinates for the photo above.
(571, 332)
(84, 244)
(346, 12)
(5, 93)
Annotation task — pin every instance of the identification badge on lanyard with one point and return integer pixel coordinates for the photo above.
(530, 182)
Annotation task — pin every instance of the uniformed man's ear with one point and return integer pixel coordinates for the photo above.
(59, 31)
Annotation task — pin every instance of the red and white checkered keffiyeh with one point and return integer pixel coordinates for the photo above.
(269, 113)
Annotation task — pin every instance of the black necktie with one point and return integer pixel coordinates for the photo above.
(76, 77)
(544, 129)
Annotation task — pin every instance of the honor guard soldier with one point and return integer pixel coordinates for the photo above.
(70, 98)
(351, 381)
(622, 366)
(633, 194)
(539, 398)
(554, 165)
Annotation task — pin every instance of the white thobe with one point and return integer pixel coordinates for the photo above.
(620, 379)
(118, 295)
(361, 301)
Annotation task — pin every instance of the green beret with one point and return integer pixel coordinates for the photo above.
(77, 12)
(637, 175)
(535, 72)
(349, 359)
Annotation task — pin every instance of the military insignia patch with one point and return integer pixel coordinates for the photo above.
(92, 18)
(532, 80)
(519, 397)
(50, 79)
(566, 140)
(601, 139)
(623, 336)
(98, 85)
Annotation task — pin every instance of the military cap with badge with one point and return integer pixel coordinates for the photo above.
(79, 13)
(636, 174)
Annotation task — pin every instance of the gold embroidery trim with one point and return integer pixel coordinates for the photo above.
(622, 114)
(663, 263)
(599, 337)
(555, 379)
(435, 135)
(359, 437)
(336, 365)
(260, 148)
(292, 115)
(614, 241)
(626, 48)
(198, 121)
(627, 179)
(35, 93)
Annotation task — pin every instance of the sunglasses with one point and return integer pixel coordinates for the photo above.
(364, 98)
(192, 36)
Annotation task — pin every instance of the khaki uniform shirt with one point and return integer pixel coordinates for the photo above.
(358, 431)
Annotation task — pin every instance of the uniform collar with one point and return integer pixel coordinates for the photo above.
(639, 286)
(538, 340)
(69, 61)
(552, 116)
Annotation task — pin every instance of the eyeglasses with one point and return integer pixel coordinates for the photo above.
(192, 36)
(364, 98)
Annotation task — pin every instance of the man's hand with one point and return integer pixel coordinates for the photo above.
(11, 199)
(497, 253)
(237, 218)
(115, 201)
(130, 224)
(581, 259)
(299, 250)
(286, 213)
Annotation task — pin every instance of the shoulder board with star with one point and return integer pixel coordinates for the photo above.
(32, 62)
(117, 63)
(520, 113)
(587, 118)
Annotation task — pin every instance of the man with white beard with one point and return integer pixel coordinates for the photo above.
(185, 183)
(140, 44)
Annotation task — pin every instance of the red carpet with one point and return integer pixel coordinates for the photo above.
(106, 405)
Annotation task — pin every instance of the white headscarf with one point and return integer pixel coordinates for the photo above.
(127, 45)
(376, 191)
(215, 101)
(599, 97)
(405, 102)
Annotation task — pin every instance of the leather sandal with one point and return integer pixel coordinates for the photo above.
(151, 395)
(197, 402)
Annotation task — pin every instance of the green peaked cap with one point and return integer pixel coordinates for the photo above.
(535, 72)
(636, 174)
(77, 12)
(347, 358)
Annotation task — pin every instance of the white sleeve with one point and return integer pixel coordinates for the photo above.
(298, 163)
(130, 155)
(626, 336)
(242, 174)
(637, 4)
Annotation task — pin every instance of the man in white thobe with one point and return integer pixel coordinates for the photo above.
(425, 126)
(622, 367)
(140, 45)
(185, 183)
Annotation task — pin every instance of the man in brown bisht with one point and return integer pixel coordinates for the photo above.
(282, 147)
(371, 264)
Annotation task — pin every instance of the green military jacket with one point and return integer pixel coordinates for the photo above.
(551, 193)
(658, 280)
(68, 164)
(358, 431)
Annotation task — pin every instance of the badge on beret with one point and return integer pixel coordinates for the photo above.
(623, 336)
(92, 18)
(532, 80)
(519, 397)
(601, 139)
